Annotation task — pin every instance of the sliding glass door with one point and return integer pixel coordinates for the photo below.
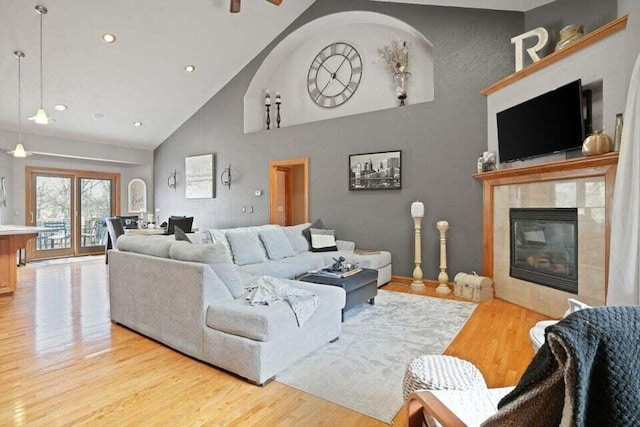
(95, 204)
(73, 205)
(53, 202)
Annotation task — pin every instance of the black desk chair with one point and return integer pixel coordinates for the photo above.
(115, 230)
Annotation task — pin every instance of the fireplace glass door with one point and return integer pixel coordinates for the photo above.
(544, 247)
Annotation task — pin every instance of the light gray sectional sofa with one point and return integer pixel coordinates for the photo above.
(190, 297)
(301, 260)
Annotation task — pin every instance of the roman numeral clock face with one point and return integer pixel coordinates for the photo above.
(334, 75)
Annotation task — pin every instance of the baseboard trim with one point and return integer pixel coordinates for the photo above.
(407, 281)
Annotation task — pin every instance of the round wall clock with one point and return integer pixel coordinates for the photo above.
(334, 75)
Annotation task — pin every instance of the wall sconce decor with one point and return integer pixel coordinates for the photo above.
(396, 57)
(267, 104)
(226, 181)
(171, 181)
(278, 102)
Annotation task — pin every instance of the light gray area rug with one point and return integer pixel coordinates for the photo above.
(364, 369)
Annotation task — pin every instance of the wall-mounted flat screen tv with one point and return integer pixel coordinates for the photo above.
(546, 124)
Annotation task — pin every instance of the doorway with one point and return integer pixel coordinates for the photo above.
(289, 191)
(71, 205)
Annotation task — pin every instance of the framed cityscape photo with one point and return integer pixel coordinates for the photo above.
(375, 171)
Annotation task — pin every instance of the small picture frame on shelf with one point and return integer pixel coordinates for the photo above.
(375, 171)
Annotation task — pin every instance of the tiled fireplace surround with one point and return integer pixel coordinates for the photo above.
(586, 184)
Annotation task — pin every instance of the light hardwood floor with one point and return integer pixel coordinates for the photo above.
(63, 362)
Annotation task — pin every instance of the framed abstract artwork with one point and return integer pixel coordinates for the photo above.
(199, 173)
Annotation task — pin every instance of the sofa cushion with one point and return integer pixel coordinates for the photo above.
(157, 246)
(276, 243)
(220, 236)
(246, 247)
(268, 322)
(260, 322)
(322, 240)
(274, 268)
(217, 257)
(316, 224)
(297, 240)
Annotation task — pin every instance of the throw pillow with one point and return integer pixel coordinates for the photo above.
(276, 243)
(181, 235)
(316, 224)
(217, 257)
(297, 240)
(322, 240)
(246, 247)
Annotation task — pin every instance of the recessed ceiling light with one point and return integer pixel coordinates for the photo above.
(60, 107)
(189, 68)
(137, 124)
(108, 38)
(98, 116)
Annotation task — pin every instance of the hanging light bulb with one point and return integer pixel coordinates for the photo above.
(19, 151)
(41, 116)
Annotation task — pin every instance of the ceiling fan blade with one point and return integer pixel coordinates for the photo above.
(234, 7)
(276, 2)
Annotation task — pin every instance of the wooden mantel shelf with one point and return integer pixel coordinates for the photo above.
(587, 40)
(563, 166)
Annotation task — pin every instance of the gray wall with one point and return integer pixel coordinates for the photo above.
(632, 8)
(440, 142)
(111, 158)
(593, 14)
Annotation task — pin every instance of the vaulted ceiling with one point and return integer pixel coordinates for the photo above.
(141, 76)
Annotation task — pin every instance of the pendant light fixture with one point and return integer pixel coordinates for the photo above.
(41, 116)
(19, 150)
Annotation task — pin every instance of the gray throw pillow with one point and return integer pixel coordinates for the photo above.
(181, 235)
(322, 240)
(276, 243)
(318, 224)
(246, 247)
(297, 240)
(217, 257)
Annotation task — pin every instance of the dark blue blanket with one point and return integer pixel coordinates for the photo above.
(586, 374)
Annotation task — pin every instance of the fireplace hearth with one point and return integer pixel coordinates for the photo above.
(544, 247)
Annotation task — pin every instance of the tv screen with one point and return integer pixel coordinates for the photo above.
(546, 124)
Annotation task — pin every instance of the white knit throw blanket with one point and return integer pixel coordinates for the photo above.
(270, 290)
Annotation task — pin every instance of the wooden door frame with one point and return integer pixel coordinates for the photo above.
(75, 174)
(273, 168)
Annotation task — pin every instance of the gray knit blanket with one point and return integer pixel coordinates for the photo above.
(268, 290)
(586, 374)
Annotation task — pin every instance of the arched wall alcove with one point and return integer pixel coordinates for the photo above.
(286, 67)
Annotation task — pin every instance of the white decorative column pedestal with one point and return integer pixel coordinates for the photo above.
(443, 277)
(417, 212)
